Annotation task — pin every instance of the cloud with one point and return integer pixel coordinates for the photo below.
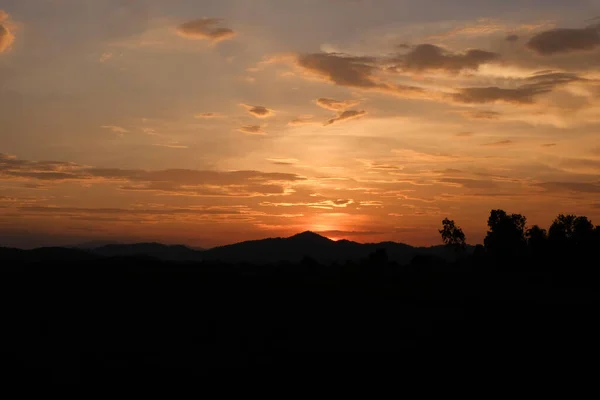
(349, 71)
(259, 111)
(500, 143)
(176, 182)
(252, 130)
(557, 41)
(325, 204)
(345, 116)
(481, 114)
(336, 105)
(105, 57)
(549, 145)
(582, 165)
(131, 211)
(6, 36)
(283, 161)
(427, 57)
(205, 29)
(485, 26)
(464, 134)
(524, 94)
(380, 167)
(208, 115)
(302, 120)
(172, 145)
(469, 183)
(341, 69)
(512, 38)
(116, 129)
(582, 187)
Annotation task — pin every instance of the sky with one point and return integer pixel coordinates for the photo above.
(211, 122)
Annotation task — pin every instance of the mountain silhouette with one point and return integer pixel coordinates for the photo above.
(272, 250)
(319, 248)
(156, 250)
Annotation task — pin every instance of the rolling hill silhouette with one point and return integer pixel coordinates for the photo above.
(156, 250)
(319, 248)
(271, 250)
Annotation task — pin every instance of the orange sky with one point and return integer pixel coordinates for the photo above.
(206, 123)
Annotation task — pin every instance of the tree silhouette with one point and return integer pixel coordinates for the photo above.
(568, 231)
(562, 228)
(452, 235)
(536, 239)
(583, 230)
(506, 237)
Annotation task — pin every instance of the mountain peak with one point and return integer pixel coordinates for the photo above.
(310, 236)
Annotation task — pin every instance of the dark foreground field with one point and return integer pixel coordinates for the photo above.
(137, 319)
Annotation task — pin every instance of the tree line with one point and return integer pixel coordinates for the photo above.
(509, 236)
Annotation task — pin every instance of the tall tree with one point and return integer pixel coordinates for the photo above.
(537, 239)
(452, 235)
(506, 235)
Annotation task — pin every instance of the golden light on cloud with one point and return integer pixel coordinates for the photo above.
(252, 130)
(6, 36)
(336, 105)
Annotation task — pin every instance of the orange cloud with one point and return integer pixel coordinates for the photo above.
(500, 143)
(345, 116)
(6, 36)
(425, 57)
(303, 120)
(252, 130)
(481, 114)
(205, 29)
(524, 94)
(208, 115)
(336, 105)
(283, 161)
(259, 111)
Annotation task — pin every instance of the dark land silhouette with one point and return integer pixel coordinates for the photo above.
(303, 306)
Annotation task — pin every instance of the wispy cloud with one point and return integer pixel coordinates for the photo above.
(302, 120)
(336, 105)
(283, 161)
(116, 129)
(105, 57)
(259, 111)
(205, 29)
(499, 143)
(208, 115)
(252, 130)
(345, 116)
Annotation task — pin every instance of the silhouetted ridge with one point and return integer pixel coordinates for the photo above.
(319, 248)
(156, 250)
(310, 237)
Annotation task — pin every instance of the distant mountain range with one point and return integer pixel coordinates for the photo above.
(293, 249)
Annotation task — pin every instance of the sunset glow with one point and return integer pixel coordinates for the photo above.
(211, 122)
